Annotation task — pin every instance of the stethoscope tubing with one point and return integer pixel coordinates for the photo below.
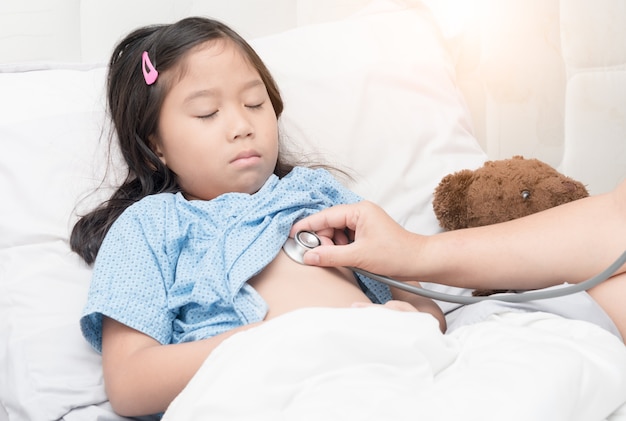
(511, 297)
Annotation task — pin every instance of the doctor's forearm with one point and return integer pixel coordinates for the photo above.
(569, 243)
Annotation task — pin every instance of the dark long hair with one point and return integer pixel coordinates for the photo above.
(134, 109)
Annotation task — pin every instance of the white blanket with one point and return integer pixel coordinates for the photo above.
(380, 364)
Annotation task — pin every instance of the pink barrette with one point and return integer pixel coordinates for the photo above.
(150, 74)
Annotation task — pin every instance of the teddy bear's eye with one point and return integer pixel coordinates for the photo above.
(525, 194)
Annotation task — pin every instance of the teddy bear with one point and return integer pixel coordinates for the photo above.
(499, 191)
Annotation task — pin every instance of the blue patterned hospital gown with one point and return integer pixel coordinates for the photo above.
(176, 270)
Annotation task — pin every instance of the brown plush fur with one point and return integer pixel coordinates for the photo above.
(500, 191)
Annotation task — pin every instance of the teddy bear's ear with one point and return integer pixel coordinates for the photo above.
(450, 200)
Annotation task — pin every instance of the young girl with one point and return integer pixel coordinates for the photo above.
(187, 251)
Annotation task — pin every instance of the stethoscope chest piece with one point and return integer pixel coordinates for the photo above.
(300, 244)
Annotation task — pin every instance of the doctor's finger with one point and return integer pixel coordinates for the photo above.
(337, 217)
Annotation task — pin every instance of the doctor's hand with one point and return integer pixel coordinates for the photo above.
(364, 236)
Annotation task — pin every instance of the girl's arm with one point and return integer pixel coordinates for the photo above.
(141, 375)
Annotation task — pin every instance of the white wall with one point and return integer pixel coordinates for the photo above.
(86, 30)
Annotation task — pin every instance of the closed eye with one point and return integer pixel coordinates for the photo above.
(207, 116)
(255, 106)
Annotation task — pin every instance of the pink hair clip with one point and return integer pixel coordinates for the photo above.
(150, 74)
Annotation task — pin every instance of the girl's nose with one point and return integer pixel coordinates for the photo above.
(240, 125)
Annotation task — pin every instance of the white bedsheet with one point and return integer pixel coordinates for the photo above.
(379, 364)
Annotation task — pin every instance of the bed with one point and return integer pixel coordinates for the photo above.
(397, 93)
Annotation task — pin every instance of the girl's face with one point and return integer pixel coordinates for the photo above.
(217, 129)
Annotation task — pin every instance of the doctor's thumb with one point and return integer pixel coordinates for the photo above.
(327, 256)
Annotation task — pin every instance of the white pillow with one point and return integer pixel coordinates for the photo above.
(373, 94)
(54, 142)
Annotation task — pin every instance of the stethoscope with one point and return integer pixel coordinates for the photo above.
(304, 241)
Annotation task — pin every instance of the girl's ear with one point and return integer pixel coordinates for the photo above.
(155, 145)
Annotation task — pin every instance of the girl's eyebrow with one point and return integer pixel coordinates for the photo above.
(199, 94)
(212, 92)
